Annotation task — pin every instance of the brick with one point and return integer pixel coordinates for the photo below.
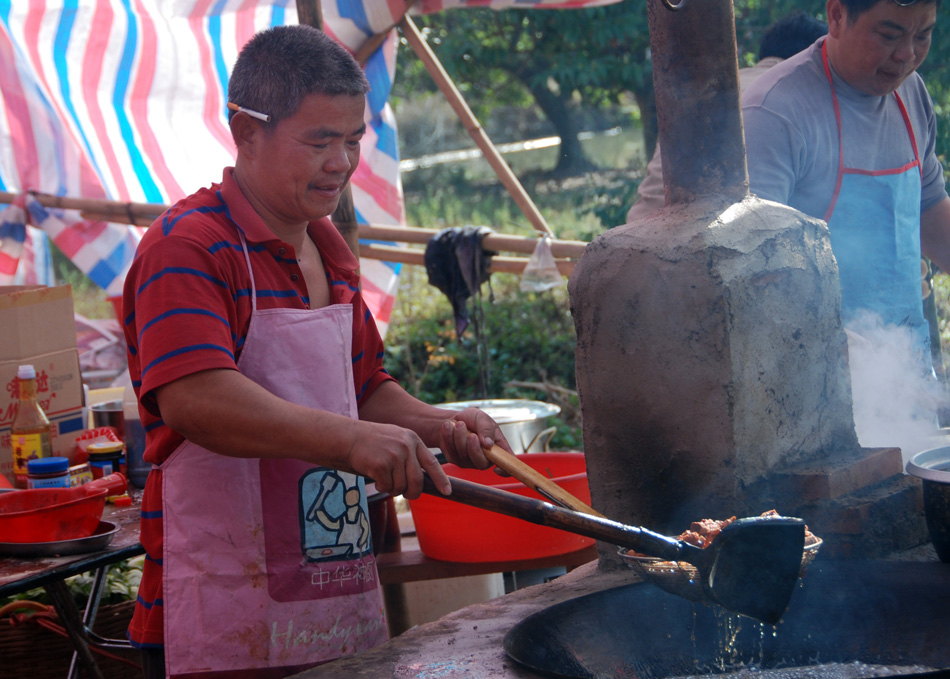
(872, 522)
(847, 473)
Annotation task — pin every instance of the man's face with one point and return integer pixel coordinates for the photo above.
(304, 165)
(884, 45)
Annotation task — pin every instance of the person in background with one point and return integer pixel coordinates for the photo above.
(845, 131)
(784, 38)
(259, 373)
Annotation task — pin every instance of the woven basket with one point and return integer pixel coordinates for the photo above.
(30, 651)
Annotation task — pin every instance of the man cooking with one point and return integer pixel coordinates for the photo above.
(259, 374)
(845, 131)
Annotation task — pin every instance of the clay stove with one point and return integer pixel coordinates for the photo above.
(713, 376)
(711, 359)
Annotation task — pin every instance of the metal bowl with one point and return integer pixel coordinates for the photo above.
(521, 421)
(933, 468)
(682, 578)
(100, 539)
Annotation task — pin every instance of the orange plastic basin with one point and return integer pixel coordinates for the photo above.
(450, 531)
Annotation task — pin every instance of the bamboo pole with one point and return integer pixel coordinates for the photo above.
(105, 210)
(309, 13)
(372, 44)
(493, 241)
(471, 124)
(498, 264)
(143, 214)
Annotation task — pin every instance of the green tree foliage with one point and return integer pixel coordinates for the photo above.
(569, 61)
(529, 337)
(526, 352)
(753, 18)
(936, 73)
(563, 61)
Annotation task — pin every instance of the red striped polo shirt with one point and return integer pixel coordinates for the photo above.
(187, 309)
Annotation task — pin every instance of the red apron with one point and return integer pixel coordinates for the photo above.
(268, 566)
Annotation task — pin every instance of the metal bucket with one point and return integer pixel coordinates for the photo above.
(522, 422)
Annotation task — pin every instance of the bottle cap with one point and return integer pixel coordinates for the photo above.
(48, 465)
(105, 447)
(26, 372)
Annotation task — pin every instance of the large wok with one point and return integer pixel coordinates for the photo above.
(871, 613)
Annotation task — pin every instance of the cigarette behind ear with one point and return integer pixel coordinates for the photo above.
(252, 113)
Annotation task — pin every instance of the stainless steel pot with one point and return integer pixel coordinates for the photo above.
(522, 422)
(933, 468)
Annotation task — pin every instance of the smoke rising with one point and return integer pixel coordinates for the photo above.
(895, 392)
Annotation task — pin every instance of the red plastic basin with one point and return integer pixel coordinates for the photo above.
(54, 514)
(450, 531)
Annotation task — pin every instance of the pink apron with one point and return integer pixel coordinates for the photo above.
(268, 566)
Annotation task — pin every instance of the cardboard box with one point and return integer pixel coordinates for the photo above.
(37, 327)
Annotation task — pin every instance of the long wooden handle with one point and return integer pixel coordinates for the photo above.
(546, 514)
(537, 481)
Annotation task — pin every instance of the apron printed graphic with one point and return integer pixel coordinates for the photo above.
(334, 523)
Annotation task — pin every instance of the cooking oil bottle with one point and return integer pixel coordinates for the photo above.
(30, 431)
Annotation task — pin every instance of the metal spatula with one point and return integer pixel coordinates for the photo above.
(751, 567)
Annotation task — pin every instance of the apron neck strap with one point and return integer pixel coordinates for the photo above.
(250, 270)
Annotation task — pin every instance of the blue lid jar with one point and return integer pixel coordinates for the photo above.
(48, 465)
(48, 472)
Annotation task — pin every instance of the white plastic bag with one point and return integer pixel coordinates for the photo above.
(541, 272)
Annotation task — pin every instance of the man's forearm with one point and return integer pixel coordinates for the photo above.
(229, 414)
(391, 404)
(935, 234)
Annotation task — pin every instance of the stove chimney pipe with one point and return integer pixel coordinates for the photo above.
(696, 80)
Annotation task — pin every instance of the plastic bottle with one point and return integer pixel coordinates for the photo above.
(30, 431)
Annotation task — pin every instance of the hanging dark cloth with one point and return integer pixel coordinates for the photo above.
(458, 265)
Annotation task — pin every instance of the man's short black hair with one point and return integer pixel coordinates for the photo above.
(791, 35)
(280, 66)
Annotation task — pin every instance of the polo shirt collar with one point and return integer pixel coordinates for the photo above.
(241, 211)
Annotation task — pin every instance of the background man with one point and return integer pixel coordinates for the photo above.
(845, 131)
(259, 374)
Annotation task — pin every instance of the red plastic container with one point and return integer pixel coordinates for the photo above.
(451, 531)
(53, 514)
